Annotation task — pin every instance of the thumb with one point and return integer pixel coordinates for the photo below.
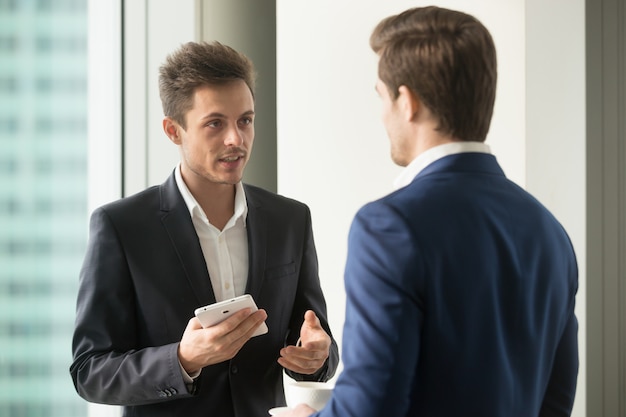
(311, 320)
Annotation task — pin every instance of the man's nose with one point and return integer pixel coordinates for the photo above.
(233, 137)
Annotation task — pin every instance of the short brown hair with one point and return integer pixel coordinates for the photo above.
(448, 59)
(197, 64)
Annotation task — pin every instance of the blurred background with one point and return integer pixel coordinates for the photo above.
(43, 201)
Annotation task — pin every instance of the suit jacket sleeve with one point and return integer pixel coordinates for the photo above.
(561, 389)
(108, 368)
(380, 341)
(310, 297)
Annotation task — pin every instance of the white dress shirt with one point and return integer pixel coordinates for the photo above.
(431, 155)
(225, 251)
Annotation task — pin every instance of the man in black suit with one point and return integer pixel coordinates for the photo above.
(200, 237)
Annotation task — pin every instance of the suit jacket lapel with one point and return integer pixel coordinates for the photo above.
(257, 231)
(178, 225)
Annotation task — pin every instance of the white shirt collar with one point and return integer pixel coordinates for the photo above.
(431, 155)
(241, 206)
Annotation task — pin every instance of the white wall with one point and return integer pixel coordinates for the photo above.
(556, 132)
(333, 153)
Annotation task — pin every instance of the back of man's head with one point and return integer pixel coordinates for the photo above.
(448, 59)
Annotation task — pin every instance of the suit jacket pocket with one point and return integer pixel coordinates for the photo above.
(278, 271)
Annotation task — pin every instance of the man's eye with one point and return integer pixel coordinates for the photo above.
(246, 121)
(214, 123)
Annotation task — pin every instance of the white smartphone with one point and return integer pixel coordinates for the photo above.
(213, 314)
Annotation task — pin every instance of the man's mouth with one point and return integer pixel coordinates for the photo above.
(231, 158)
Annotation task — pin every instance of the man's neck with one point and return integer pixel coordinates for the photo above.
(218, 204)
(428, 137)
(216, 200)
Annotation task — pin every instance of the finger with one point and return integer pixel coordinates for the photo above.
(306, 367)
(229, 324)
(301, 410)
(306, 354)
(314, 338)
(245, 329)
(252, 322)
(302, 361)
(228, 344)
(193, 324)
(311, 320)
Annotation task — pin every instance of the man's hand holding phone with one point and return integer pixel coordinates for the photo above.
(202, 346)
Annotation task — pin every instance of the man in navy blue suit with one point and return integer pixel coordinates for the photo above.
(460, 285)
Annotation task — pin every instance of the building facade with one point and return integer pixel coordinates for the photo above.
(43, 201)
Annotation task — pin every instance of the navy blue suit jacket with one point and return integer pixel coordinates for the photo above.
(460, 301)
(143, 276)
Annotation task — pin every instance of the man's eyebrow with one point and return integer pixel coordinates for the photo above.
(221, 115)
(214, 114)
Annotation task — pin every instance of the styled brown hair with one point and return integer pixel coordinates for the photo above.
(197, 64)
(448, 59)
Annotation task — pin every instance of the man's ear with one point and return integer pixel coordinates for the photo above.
(409, 102)
(170, 127)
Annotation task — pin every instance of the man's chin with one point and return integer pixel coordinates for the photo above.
(230, 180)
(399, 160)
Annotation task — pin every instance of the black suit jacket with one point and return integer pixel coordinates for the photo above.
(144, 274)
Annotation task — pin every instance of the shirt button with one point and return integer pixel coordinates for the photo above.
(227, 285)
(234, 369)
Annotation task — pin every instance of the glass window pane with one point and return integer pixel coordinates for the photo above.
(43, 201)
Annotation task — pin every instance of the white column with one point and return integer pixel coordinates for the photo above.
(556, 134)
(104, 118)
(249, 26)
